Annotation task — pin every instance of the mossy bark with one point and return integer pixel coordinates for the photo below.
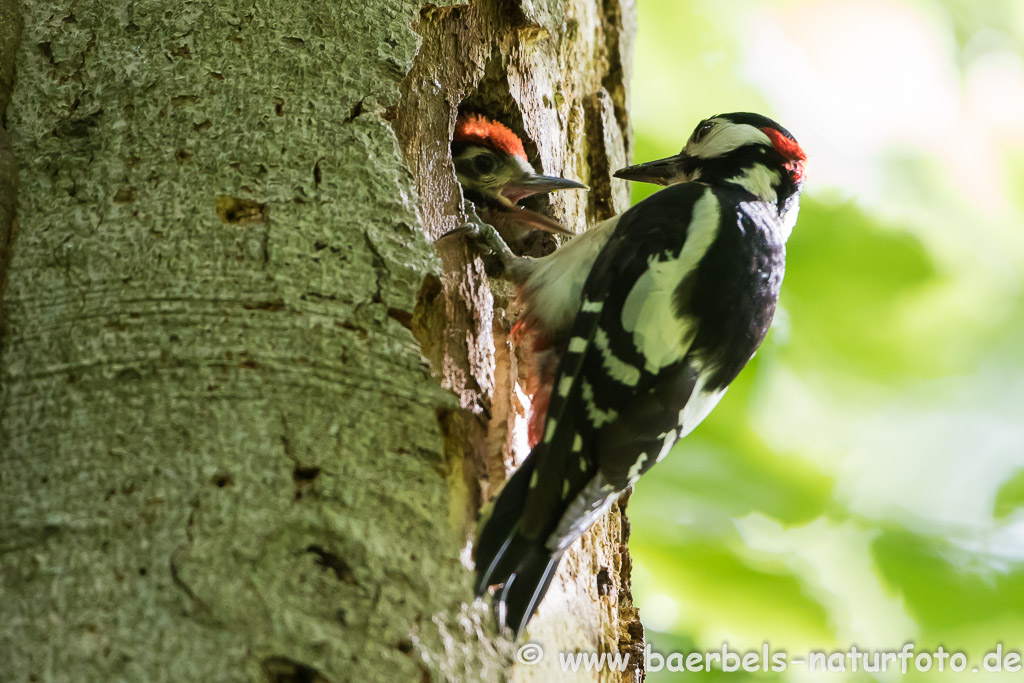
(222, 455)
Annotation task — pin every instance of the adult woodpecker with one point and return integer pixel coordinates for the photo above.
(657, 310)
(492, 168)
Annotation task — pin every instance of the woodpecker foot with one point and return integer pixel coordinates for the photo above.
(484, 238)
(499, 261)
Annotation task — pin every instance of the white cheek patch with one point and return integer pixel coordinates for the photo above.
(649, 311)
(524, 166)
(758, 180)
(725, 137)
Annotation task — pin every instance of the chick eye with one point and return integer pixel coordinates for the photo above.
(484, 163)
(702, 131)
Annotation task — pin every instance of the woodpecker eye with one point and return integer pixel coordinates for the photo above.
(702, 131)
(484, 163)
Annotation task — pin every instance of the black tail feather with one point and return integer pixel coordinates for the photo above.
(497, 545)
(525, 588)
(524, 567)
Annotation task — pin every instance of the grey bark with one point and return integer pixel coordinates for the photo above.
(222, 454)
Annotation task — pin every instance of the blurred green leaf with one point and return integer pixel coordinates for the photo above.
(902, 310)
(945, 587)
(740, 479)
(849, 283)
(1011, 495)
(719, 587)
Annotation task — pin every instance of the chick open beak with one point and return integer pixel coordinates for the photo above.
(518, 217)
(535, 184)
(660, 172)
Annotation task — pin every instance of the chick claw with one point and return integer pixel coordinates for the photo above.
(499, 261)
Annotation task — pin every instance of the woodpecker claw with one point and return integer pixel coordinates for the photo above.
(492, 248)
(483, 237)
(486, 238)
(498, 258)
(468, 229)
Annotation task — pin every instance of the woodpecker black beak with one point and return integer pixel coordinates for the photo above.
(535, 184)
(661, 172)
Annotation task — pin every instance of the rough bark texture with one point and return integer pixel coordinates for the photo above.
(556, 71)
(222, 456)
(10, 34)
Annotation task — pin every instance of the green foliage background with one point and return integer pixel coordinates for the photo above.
(862, 483)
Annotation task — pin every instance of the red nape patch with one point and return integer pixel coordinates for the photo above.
(787, 147)
(479, 130)
(790, 150)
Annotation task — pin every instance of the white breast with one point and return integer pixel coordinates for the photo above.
(554, 287)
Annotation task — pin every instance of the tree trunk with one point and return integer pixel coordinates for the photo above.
(222, 456)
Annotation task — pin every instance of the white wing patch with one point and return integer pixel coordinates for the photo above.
(701, 403)
(668, 441)
(725, 137)
(617, 368)
(549, 432)
(693, 413)
(634, 470)
(697, 408)
(649, 310)
(597, 417)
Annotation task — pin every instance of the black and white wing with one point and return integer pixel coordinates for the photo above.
(607, 408)
(625, 375)
(676, 303)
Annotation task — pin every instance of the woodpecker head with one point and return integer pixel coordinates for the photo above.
(743, 149)
(491, 165)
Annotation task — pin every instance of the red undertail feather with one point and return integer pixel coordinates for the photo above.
(538, 414)
(479, 130)
(542, 365)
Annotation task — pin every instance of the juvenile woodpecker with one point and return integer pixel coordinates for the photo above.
(656, 311)
(492, 168)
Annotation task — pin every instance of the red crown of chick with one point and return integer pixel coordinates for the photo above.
(474, 129)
